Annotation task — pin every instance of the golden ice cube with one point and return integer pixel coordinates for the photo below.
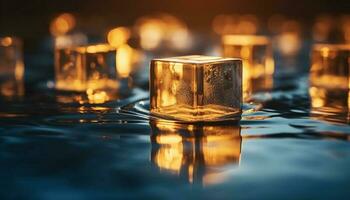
(86, 68)
(330, 82)
(330, 66)
(196, 88)
(258, 64)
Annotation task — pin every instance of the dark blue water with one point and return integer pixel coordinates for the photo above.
(281, 149)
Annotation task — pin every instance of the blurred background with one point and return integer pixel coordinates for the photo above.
(189, 27)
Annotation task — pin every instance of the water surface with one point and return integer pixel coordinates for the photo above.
(282, 149)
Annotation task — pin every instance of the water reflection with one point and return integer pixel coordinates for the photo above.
(97, 96)
(198, 154)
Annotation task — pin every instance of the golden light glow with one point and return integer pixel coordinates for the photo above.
(62, 24)
(234, 24)
(190, 88)
(169, 139)
(11, 67)
(289, 43)
(61, 29)
(248, 40)
(151, 33)
(289, 39)
(6, 41)
(96, 97)
(318, 97)
(163, 30)
(170, 157)
(200, 152)
(124, 60)
(118, 36)
(180, 38)
(99, 48)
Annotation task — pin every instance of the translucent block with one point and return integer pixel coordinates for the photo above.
(330, 66)
(199, 153)
(330, 82)
(86, 68)
(196, 88)
(258, 63)
(11, 67)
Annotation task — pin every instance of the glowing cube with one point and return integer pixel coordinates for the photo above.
(196, 88)
(330, 82)
(86, 68)
(330, 66)
(258, 63)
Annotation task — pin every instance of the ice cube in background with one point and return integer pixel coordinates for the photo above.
(11, 67)
(258, 63)
(86, 67)
(329, 79)
(330, 65)
(196, 88)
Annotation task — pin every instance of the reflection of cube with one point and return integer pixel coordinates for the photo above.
(87, 67)
(11, 67)
(210, 148)
(330, 66)
(196, 88)
(256, 54)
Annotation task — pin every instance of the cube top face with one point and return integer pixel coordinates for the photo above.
(89, 49)
(245, 40)
(196, 91)
(331, 47)
(195, 59)
(255, 51)
(86, 67)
